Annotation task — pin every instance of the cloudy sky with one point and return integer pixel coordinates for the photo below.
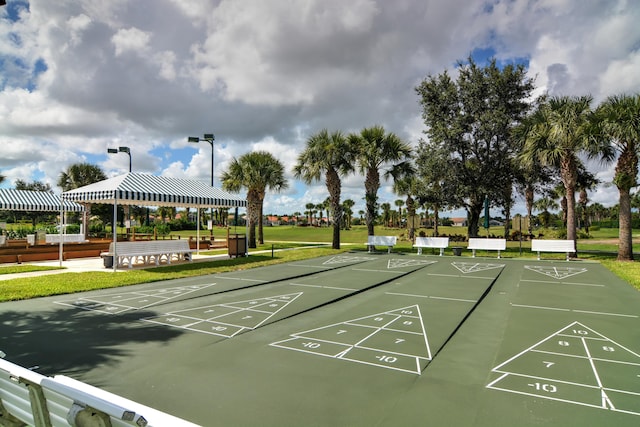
(80, 76)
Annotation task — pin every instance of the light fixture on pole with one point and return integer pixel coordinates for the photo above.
(128, 151)
(209, 137)
(121, 150)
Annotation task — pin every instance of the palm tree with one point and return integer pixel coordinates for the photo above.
(408, 184)
(620, 124)
(555, 135)
(544, 204)
(319, 209)
(376, 149)
(309, 207)
(347, 212)
(331, 156)
(78, 175)
(399, 203)
(386, 213)
(586, 181)
(256, 171)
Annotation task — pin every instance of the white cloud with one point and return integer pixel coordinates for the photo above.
(80, 76)
(130, 39)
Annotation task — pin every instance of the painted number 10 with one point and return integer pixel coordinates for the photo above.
(387, 359)
(549, 388)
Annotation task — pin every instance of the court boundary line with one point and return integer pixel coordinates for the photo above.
(574, 310)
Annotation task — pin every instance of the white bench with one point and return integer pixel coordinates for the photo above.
(431, 242)
(30, 398)
(476, 243)
(51, 239)
(388, 241)
(149, 251)
(567, 246)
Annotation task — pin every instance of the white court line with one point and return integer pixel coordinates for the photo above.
(491, 386)
(460, 276)
(605, 314)
(380, 271)
(309, 266)
(444, 275)
(599, 359)
(575, 311)
(322, 287)
(497, 368)
(535, 377)
(432, 297)
(563, 283)
(540, 307)
(240, 278)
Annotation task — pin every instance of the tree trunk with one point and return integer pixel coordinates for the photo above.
(528, 195)
(571, 216)
(625, 244)
(507, 222)
(473, 216)
(260, 221)
(625, 179)
(568, 172)
(411, 212)
(334, 187)
(371, 185)
(253, 212)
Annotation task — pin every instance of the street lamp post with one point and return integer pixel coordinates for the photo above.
(209, 137)
(126, 208)
(121, 150)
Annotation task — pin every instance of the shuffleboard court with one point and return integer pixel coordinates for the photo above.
(146, 296)
(386, 340)
(245, 309)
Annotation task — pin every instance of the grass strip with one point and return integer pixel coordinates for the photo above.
(27, 268)
(65, 283)
(626, 270)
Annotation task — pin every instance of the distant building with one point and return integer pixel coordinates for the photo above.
(459, 222)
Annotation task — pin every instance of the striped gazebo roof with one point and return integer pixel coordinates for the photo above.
(41, 201)
(151, 190)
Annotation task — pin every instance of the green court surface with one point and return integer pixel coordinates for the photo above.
(355, 339)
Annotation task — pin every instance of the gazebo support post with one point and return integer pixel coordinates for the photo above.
(114, 225)
(60, 244)
(198, 229)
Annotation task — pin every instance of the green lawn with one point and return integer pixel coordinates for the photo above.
(64, 283)
(26, 268)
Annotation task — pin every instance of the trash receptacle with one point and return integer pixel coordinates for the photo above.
(237, 244)
(108, 261)
(457, 250)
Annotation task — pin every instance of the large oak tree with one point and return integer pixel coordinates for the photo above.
(469, 119)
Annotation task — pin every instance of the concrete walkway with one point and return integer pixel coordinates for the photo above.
(81, 265)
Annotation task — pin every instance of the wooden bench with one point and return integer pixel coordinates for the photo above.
(388, 241)
(476, 243)
(567, 246)
(431, 242)
(147, 251)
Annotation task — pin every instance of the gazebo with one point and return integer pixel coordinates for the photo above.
(36, 201)
(151, 190)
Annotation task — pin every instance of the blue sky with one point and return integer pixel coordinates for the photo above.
(77, 78)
